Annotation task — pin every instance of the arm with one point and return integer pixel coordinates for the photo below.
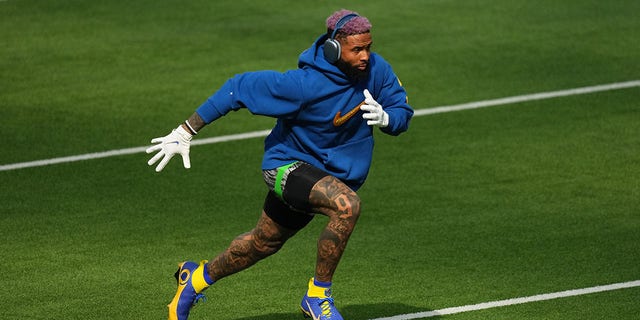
(388, 94)
(394, 99)
(266, 92)
(392, 118)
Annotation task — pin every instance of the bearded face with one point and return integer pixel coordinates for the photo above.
(354, 56)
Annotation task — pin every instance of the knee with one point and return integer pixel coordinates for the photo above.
(333, 198)
(348, 206)
(266, 246)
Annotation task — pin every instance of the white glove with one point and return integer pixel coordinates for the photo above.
(178, 141)
(374, 114)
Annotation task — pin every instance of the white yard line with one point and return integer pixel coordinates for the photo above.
(529, 97)
(263, 133)
(514, 301)
(120, 152)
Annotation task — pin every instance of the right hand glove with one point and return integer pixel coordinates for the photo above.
(178, 141)
(374, 114)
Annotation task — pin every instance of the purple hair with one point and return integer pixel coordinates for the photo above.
(356, 25)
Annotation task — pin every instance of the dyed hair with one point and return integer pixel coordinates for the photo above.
(356, 25)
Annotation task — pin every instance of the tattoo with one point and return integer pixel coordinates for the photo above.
(196, 122)
(329, 197)
(249, 248)
(334, 199)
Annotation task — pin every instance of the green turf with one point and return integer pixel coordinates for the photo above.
(466, 207)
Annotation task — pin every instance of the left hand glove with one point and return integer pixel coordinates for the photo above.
(177, 142)
(374, 114)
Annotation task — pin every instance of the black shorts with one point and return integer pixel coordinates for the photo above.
(287, 201)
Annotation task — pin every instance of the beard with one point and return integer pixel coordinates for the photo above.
(353, 74)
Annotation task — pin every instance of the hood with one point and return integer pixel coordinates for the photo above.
(314, 58)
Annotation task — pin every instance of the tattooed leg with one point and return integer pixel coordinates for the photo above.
(336, 200)
(248, 248)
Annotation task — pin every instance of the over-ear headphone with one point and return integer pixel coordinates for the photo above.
(332, 46)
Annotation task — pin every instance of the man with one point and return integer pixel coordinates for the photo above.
(316, 157)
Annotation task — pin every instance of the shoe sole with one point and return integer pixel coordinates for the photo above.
(173, 305)
(305, 313)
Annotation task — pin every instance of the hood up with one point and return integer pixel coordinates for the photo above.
(314, 58)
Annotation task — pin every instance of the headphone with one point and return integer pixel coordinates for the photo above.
(332, 47)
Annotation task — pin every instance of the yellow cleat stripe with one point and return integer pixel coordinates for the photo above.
(315, 291)
(173, 306)
(197, 279)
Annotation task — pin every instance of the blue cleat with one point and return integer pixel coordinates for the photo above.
(319, 308)
(191, 284)
(317, 304)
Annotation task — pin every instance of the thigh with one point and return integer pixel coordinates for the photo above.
(287, 201)
(269, 233)
(308, 189)
(293, 183)
(283, 214)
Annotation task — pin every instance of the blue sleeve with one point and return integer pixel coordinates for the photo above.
(268, 93)
(394, 101)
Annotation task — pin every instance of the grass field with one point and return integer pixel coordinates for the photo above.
(466, 207)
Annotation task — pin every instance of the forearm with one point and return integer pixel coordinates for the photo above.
(399, 119)
(195, 123)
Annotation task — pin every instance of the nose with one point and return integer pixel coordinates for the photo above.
(364, 55)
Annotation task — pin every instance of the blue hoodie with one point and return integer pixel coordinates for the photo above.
(312, 105)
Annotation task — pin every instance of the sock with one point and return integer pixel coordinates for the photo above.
(206, 276)
(200, 278)
(319, 289)
(321, 284)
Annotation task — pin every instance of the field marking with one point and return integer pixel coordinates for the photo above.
(263, 133)
(120, 152)
(529, 97)
(514, 301)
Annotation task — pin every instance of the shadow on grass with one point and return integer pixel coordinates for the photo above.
(353, 312)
